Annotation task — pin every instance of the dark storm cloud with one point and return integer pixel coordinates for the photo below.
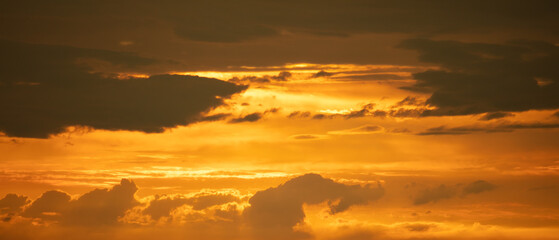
(445, 192)
(44, 89)
(281, 208)
(479, 78)
(501, 127)
(98, 207)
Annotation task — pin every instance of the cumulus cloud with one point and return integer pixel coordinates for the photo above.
(279, 209)
(162, 206)
(98, 207)
(479, 77)
(10, 205)
(44, 89)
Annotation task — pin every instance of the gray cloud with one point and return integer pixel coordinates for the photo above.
(281, 208)
(477, 187)
(44, 89)
(479, 78)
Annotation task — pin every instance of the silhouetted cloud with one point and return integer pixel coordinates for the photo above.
(477, 187)
(281, 77)
(299, 114)
(495, 115)
(162, 206)
(479, 78)
(445, 192)
(501, 127)
(253, 117)
(10, 205)
(434, 194)
(281, 208)
(366, 129)
(44, 89)
(224, 21)
(98, 207)
(322, 73)
(50, 205)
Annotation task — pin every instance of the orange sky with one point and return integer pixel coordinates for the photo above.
(142, 121)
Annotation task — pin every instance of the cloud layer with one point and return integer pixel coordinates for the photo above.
(45, 89)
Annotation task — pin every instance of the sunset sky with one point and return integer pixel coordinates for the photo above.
(327, 120)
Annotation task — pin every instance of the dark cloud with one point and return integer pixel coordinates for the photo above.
(50, 205)
(556, 114)
(410, 101)
(299, 114)
(44, 89)
(98, 207)
(477, 187)
(372, 77)
(253, 117)
(225, 21)
(281, 208)
(495, 115)
(479, 78)
(11, 204)
(214, 117)
(443, 191)
(418, 227)
(322, 73)
(501, 127)
(281, 77)
(434, 194)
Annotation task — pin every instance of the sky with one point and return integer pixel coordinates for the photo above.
(248, 120)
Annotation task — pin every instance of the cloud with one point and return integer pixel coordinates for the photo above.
(281, 208)
(45, 89)
(434, 194)
(322, 73)
(479, 77)
(253, 117)
(224, 21)
(477, 187)
(281, 77)
(50, 205)
(495, 115)
(10, 205)
(309, 136)
(443, 191)
(98, 207)
(162, 206)
(366, 129)
(491, 128)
